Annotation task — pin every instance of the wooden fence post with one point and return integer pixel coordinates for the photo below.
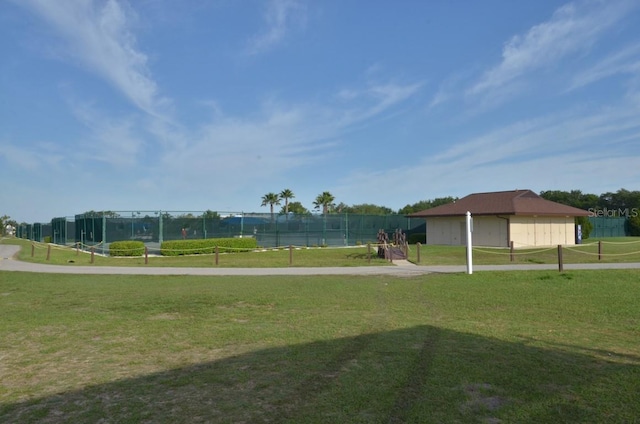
(77, 248)
(217, 255)
(93, 251)
(418, 246)
(369, 252)
(511, 250)
(33, 249)
(290, 255)
(560, 264)
(600, 250)
(146, 255)
(48, 252)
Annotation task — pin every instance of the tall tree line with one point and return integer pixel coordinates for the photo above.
(622, 201)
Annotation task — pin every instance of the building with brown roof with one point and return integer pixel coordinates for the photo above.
(500, 217)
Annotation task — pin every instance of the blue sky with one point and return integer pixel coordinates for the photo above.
(196, 105)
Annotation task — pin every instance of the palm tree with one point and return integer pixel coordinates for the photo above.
(286, 194)
(324, 200)
(270, 199)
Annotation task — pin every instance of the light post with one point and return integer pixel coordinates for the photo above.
(133, 215)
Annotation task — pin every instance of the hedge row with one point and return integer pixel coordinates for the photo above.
(207, 246)
(126, 248)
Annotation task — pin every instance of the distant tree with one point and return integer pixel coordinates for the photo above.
(324, 201)
(573, 198)
(296, 208)
(187, 215)
(6, 220)
(589, 201)
(426, 204)
(364, 209)
(341, 207)
(634, 224)
(623, 200)
(210, 215)
(438, 201)
(270, 199)
(286, 194)
(100, 214)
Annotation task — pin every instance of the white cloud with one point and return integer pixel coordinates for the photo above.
(19, 157)
(280, 17)
(573, 28)
(449, 89)
(278, 139)
(625, 61)
(98, 35)
(110, 140)
(374, 100)
(33, 157)
(544, 153)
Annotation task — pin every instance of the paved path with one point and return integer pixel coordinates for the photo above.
(399, 268)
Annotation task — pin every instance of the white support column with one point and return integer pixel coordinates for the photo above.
(469, 244)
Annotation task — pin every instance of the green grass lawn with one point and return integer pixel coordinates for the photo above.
(525, 347)
(613, 249)
(264, 258)
(622, 249)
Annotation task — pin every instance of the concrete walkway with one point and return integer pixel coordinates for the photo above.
(399, 268)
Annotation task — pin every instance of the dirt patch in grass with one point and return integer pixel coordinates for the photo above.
(482, 398)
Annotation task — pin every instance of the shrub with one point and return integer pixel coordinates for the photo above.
(207, 246)
(417, 238)
(587, 226)
(634, 225)
(126, 248)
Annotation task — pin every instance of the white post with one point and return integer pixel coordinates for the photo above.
(469, 244)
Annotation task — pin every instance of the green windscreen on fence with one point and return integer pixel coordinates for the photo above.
(154, 227)
(269, 230)
(63, 231)
(604, 226)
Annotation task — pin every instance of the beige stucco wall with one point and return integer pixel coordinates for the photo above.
(498, 231)
(542, 231)
(487, 231)
(447, 231)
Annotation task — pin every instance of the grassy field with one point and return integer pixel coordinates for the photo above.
(623, 249)
(526, 347)
(314, 257)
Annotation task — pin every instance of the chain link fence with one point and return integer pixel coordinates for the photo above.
(154, 227)
(609, 226)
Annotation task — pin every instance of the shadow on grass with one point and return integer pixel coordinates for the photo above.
(415, 375)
